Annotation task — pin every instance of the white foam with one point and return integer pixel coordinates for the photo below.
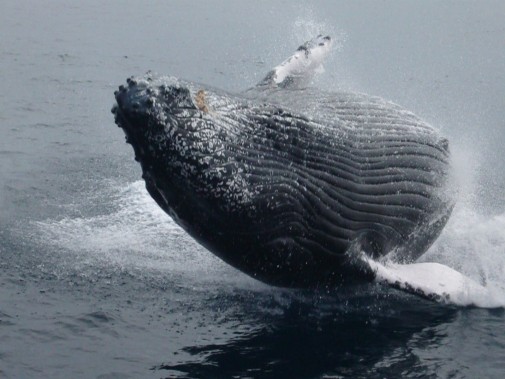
(134, 234)
(474, 244)
(310, 25)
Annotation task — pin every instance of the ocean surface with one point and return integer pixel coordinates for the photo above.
(97, 282)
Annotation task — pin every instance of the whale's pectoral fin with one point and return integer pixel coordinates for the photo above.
(298, 69)
(434, 281)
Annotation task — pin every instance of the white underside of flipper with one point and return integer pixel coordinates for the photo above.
(299, 69)
(438, 282)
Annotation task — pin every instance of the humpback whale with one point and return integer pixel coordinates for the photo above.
(295, 186)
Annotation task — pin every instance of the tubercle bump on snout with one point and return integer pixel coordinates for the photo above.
(131, 81)
(150, 95)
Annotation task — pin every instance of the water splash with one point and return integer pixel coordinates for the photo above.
(304, 29)
(473, 244)
(134, 234)
(473, 241)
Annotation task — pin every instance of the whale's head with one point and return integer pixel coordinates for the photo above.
(183, 137)
(154, 116)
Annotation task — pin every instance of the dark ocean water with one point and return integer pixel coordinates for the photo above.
(97, 282)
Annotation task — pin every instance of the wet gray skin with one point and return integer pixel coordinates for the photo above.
(289, 185)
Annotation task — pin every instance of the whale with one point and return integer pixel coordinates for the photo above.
(292, 185)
